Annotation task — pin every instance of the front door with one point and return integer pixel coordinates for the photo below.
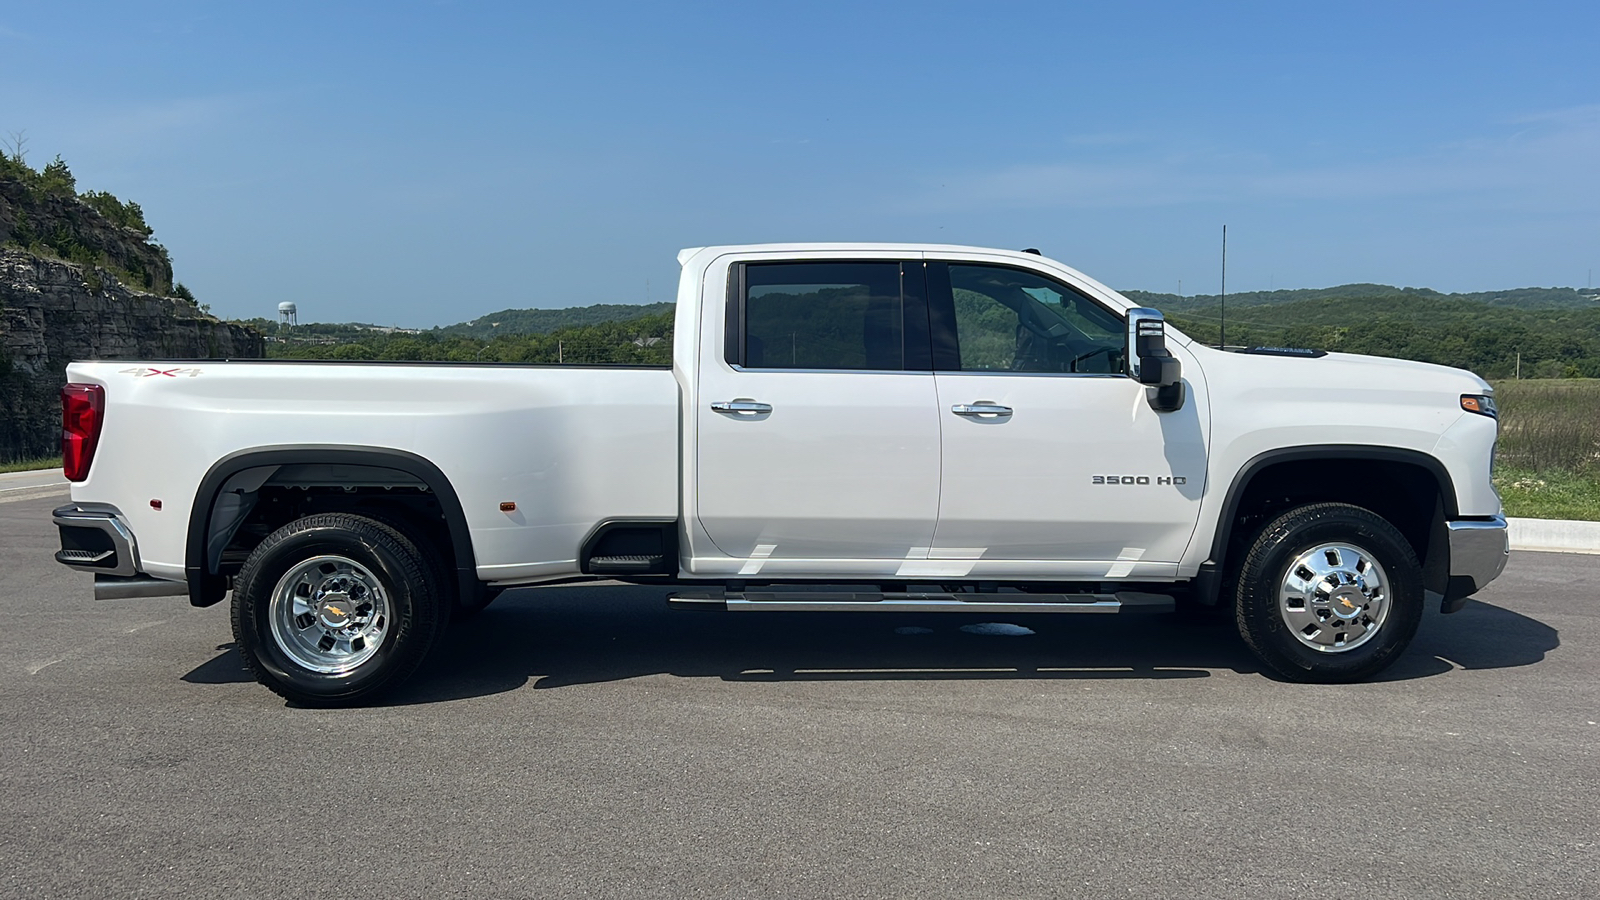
(1050, 452)
(818, 436)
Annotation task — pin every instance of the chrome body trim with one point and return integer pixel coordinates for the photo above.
(1001, 604)
(1479, 549)
(102, 518)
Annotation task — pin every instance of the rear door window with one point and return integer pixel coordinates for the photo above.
(831, 315)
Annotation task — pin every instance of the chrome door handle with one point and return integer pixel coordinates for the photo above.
(741, 407)
(980, 408)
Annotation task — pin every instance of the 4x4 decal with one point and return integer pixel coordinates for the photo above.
(150, 371)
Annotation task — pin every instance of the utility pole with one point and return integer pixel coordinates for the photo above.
(1222, 299)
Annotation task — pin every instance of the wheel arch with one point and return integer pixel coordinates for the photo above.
(1422, 498)
(207, 586)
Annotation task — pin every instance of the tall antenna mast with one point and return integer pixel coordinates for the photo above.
(1222, 342)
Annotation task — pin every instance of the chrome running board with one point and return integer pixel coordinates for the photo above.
(821, 601)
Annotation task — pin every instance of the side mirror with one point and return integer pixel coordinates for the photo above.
(1149, 362)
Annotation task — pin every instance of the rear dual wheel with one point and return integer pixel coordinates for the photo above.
(335, 609)
(1328, 593)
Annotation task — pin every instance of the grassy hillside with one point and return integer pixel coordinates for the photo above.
(1488, 339)
(641, 341)
(546, 321)
(1518, 298)
(1547, 332)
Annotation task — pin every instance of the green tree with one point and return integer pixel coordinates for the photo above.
(57, 179)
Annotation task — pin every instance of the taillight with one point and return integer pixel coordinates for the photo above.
(82, 412)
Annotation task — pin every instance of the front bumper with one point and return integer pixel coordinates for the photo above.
(1479, 549)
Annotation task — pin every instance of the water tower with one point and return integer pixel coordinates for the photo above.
(287, 315)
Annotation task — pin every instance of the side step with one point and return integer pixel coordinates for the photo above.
(635, 564)
(811, 601)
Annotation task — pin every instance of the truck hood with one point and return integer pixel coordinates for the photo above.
(1408, 369)
(1346, 371)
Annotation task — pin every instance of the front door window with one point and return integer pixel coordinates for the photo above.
(1008, 320)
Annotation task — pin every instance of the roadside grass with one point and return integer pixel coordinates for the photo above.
(1553, 494)
(28, 465)
(1547, 463)
(1550, 423)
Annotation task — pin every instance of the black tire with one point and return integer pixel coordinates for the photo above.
(1263, 570)
(440, 574)
(407, 619)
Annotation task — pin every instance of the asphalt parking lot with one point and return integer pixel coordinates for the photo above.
(588, 741)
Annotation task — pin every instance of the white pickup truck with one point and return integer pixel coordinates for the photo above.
(843, 427)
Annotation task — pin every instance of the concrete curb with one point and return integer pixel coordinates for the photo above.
(1554, 535)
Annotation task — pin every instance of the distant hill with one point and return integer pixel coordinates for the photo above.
(545, 321)
(1496, 340)
(1517, 298)
(1539, 332)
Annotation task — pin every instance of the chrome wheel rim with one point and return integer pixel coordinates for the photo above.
(329, 614)
(1334, 597)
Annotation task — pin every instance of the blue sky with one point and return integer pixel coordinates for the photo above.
(423, 163)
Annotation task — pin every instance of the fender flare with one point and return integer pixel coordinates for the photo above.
(1209, 579)
(207, 587)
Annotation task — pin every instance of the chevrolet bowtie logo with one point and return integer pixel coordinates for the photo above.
(1347, 603)
(334, 610)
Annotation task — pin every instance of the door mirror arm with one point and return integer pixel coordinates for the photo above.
(1149, 363)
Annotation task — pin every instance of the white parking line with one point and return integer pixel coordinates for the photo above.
(33, 493)
(35, 487)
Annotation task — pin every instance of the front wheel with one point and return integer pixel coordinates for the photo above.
(334, 609)
(1328, 593)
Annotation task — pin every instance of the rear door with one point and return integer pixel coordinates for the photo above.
(817, 429)
(1050, 452)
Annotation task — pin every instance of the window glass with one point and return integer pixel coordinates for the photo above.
(823, 315)
(1013, 321)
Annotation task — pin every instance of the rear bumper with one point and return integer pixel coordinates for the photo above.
(1479, 549)
(94, 538)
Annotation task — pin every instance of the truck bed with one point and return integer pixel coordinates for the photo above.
(584, 444)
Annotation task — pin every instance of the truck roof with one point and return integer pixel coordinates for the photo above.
(856, 246)
(686, 256)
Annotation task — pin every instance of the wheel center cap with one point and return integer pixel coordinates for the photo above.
(336, 610)
(1348, 601)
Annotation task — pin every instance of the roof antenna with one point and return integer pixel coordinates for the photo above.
(1222, 301)
(1033, 250)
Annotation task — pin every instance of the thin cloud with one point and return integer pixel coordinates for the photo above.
(1547, 163)
(1105, 139)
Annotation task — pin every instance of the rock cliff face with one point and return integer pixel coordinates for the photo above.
(53, 312)
(29, 215)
